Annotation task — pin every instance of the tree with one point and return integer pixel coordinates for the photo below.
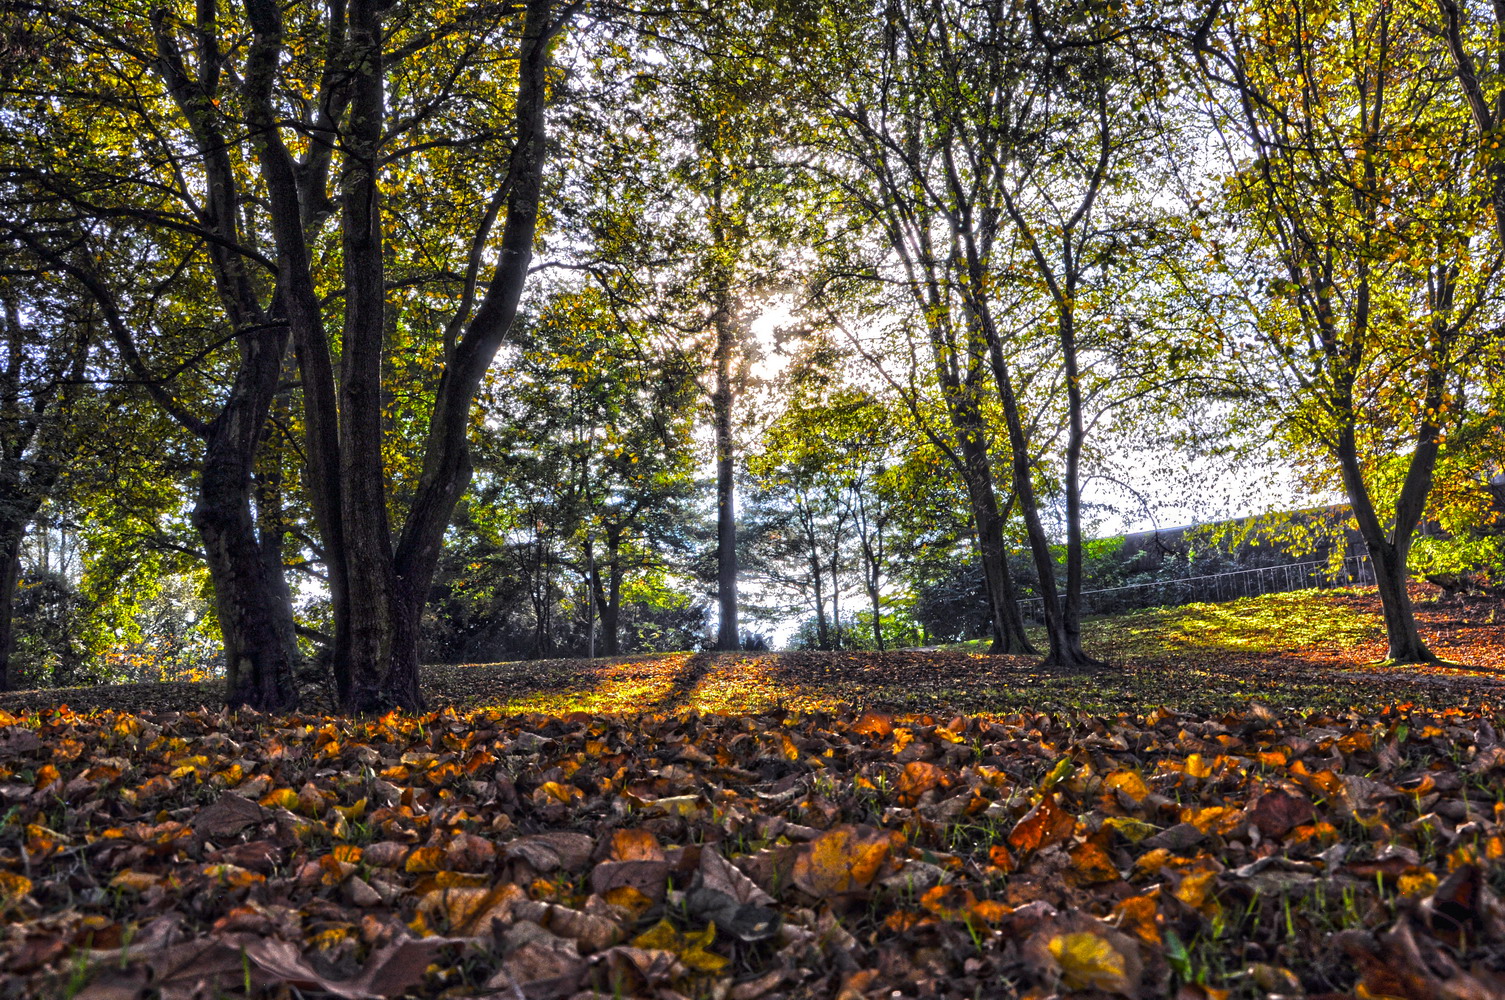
(137, 194)
(1477, 50)
(41, 380)
(1354, 178)
(831, 480)
(598, 424)
(877, 143)
(1003, 155)
(381, 583)
(298, 126)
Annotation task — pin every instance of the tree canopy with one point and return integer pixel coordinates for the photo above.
(384, 331)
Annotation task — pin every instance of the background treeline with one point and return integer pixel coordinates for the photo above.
(340, 337)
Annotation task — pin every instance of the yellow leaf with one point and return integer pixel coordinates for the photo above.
(329, 937)
(352, 812)
(1415, 885)
(285, 798)
(1220, 818)
(629, 898)
(1132, 830)
(1128, 782)
(233, 876)
(1152, 861)
(13, 886)
(690, 949)
(425, 859)
(1193, 890)
(558, 792)
(347, 853)
(1058, 774)
(1089, 962)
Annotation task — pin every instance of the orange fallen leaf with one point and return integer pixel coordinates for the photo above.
(425, 859)
(134, 881)
(917, 778)
(1042, 826)
(1091, 864)
(1138, 915)
(842, 859)
(635, 845)
(1000, 858)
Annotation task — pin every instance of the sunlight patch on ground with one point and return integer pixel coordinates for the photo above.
(1298, 620)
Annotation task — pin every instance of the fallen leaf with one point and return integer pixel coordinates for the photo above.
(842, 859)
(1042, 826)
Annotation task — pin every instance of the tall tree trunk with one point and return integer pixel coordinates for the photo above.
(255, 616)
(611, 616)
(1388, 552)
(817, 576)
(251, 594)
(1071, 609)
(608, 596)
(870, 539)
(1065, 648)
(379, 588)
(447, 464)
(728, 635)
(11, 536)
(592, 584)
(375, 606)
(976, 468)
(835, 597)
(874, 588)
(1003, 599)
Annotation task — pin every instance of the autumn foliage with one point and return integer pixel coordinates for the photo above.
(200, 854)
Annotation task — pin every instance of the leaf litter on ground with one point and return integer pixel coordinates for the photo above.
(1252, 851)
(853, 855)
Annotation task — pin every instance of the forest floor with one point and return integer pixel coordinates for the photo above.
(1304, 650)
(1241, 805)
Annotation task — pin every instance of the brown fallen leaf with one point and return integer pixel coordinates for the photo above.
(390, 972)
(467, 852)
(227, 816)
(547, 852)
(720, 875)
(648, 877)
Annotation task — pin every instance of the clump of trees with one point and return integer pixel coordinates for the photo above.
(416, 331)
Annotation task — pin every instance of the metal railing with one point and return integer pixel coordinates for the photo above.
(1353, 572)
